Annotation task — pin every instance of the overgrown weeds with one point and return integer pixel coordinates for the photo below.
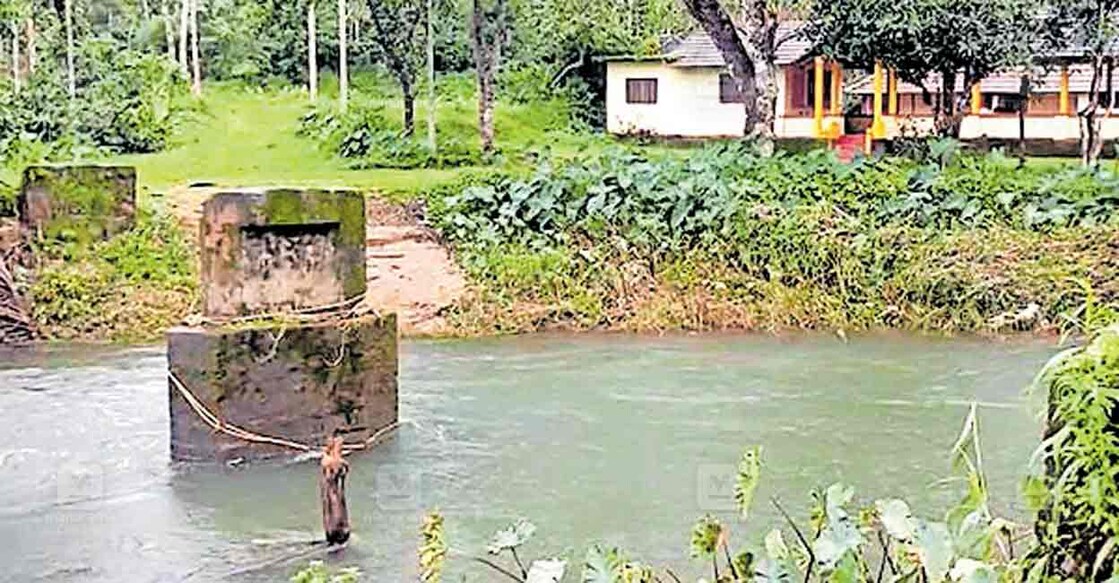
(129, 288)
(727, 239)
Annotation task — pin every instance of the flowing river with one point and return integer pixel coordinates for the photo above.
(620, 439)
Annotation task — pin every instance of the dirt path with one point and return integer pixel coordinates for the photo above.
(408, 270)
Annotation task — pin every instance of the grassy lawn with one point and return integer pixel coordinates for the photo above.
(247, 137)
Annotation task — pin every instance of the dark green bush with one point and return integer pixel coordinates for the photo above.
(365, 135)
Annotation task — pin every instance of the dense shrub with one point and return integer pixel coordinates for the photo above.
(365, 135)
(1074, 485)
(124, 103)
(727, 239)
(131, 287)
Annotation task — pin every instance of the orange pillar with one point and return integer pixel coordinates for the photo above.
(836, 88)
(878, 127)
(1064, 97)
(976, 99)
(893, 103)
(818, 102)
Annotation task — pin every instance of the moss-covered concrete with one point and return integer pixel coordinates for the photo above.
(303, 383)
(77, 204)
(244, 234)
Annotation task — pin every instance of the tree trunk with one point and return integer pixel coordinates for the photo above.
(1091, 142)
(32, 53)
(719, 26)
(950, 112)
(431, 103)
(196, 70)
(312, 51)
(343, 58)
(71, 83)
(1024, 91)
(488, 34)
(168, 29)
(184, 36)
(409, 107)
(15, 60)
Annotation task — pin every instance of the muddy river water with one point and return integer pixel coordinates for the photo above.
(620, 439)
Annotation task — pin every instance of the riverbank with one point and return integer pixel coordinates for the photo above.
(816, 271)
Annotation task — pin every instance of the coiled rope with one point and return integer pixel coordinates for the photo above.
(220, 426)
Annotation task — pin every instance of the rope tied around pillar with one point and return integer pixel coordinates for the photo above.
(219, 425)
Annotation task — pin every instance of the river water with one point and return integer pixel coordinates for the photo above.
(625, 440)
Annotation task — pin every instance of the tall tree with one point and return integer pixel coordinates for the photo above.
(71, 84)
(1088, 30)
(748, 41)
(184, 36)
(16, 64)
(400, 42)
(312, 51)
(429, 46)
(343, 58)
(168, 28)
(929, 41)
(489, 31)
(196, 60)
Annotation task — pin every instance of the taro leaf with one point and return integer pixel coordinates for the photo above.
(934, 549)
(512, 536)
(598, 565)
(744, 564)
(969, 571)
(749, 472)
(680, 211)
(546, 571)
(837, 540)
(973, 538)
(771, 571)
(706, 536)
(896, 518)
(839, 535)
(775, 545)
(847, 571)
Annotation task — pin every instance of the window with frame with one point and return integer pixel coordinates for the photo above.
(641, 90)
(728, 91)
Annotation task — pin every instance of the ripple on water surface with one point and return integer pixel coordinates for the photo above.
(613, 438)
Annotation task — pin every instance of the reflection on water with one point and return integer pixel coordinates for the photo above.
(620, 439)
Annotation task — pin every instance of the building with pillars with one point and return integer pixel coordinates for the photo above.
(1054, 96)
(686, 92)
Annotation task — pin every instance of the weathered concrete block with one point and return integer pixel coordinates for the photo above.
(275, 250)
(301, 383)
(82, 204)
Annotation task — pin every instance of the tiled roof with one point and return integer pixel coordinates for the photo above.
(698, 50)
(1080, 79)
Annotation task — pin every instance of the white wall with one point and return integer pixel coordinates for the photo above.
(1006, 127)
(687, 102)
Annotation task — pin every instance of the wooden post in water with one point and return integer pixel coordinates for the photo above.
(332, 488)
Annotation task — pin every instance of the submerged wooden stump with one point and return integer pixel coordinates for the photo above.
(332, 488)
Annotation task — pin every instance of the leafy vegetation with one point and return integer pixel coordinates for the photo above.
(1073, 483)
(129, 288)
(725, 238)
(317, 572)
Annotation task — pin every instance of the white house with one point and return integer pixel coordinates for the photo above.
(686, 92)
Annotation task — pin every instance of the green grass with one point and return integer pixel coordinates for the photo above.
(238, 136)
